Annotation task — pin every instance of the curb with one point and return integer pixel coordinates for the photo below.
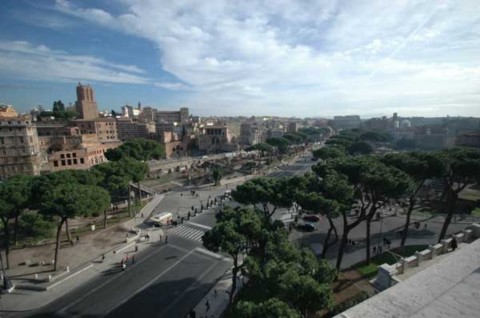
(56, 283)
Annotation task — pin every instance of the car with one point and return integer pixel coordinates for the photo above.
(306, 227)
(311, 218)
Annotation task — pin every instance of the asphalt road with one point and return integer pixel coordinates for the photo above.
(167, 281)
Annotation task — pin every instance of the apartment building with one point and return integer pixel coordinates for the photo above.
(19, 145)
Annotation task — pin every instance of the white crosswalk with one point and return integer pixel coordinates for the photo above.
(188, 233)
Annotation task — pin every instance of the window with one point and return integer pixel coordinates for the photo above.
(63, 162)
(74, 155)
(74, 161)
(62, 156)
(21, 140)
(55, 163)
(82, 161)
(69, 162)
(68, 155)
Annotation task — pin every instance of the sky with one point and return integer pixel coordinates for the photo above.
(302, 58)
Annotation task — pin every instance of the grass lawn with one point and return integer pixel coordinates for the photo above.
(476, 212)
(369, 271)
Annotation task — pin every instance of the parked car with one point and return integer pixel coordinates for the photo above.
(306, 227)
(311, 218)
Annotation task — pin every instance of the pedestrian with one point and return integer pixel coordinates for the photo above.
(103, 257)
(380, 249)
(425, 226)
(166, 238)
(388, 244)
(133, 259)
(374, 250)
(454, 243)
(181, 194)
(126, 258)
(78, 238)
(207, 304)
(192, 314)
(160, 237)
(215, 293)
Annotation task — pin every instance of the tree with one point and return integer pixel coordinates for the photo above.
(217, 173)
(420, 166)
(360, 148)
(139, 149)
(262, 147)
(329, 152)
(267, 192)
(67, 201)
(34, 225)
(373, 183)
(327, 196)
(272, 308)
(279, 142)
(292, 275)
(233, 234)
(15, 197)
(462, 170)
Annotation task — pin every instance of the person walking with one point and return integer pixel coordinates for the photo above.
(454, 243)
(207, 305)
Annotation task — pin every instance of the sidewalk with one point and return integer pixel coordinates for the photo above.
(216, 298)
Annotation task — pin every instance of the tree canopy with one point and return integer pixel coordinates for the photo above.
(139, 149)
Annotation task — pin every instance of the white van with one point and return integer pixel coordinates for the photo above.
(163, 218)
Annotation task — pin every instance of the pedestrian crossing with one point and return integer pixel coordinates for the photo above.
(187, 233)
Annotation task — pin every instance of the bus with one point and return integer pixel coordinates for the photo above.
(162, 218)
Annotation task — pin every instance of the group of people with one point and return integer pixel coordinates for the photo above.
(127, 259)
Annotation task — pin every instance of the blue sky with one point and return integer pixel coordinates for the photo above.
(280, 57)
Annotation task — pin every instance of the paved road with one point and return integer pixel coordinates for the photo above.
(161, 279)
(166, 280)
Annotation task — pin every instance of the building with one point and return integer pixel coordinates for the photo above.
(469, 140)
(347, 122)
(104, 128)
(180, 116)
(292, 127)
(130, 111)
(215, 138)
(431, 137)
(148, 114)
(19, 145)
(128, 129)
(86, 105)
(83, 157)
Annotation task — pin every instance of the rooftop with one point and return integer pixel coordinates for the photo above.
(449, 288)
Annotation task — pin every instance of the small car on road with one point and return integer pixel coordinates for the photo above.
(311, 218)
(306, 227)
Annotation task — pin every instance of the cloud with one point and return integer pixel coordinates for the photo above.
(317, 57)
(24, 60)
(171, 86)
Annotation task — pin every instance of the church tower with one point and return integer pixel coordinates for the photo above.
(86, 104)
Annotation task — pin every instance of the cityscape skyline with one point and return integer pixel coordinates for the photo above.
(218, 58)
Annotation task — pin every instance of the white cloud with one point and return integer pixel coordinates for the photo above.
(171, 86)
(23, 59)
(317, 57)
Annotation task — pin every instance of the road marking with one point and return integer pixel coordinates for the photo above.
(201, 225)
(217, 256)
(150, 283)
(209, 269)
(64, 309)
